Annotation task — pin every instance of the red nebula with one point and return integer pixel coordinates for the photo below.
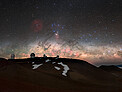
(36, 25)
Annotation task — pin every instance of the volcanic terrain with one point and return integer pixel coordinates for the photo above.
(52, 74)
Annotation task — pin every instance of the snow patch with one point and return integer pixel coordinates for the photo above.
(35, 66)
(47, 60)
(57, 68)
(53, 62)
(66, 68)
(120, 67)
(57, 58)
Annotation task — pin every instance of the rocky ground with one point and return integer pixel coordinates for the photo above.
(57, 74)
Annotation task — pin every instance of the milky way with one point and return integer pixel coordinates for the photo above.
(95, 54)
(80, 29)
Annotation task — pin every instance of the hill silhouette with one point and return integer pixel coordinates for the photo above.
(53, 74)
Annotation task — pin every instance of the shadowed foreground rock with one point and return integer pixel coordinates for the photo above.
(55, 75)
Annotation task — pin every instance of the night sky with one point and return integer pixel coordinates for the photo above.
(89, 30)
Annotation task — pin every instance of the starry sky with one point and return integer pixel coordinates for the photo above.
(89, 30)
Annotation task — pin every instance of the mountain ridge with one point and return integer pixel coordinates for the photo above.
(81, 76)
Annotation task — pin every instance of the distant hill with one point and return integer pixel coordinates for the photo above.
(110, 68)
(119, 66)
(114, 70)
(56, 74)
